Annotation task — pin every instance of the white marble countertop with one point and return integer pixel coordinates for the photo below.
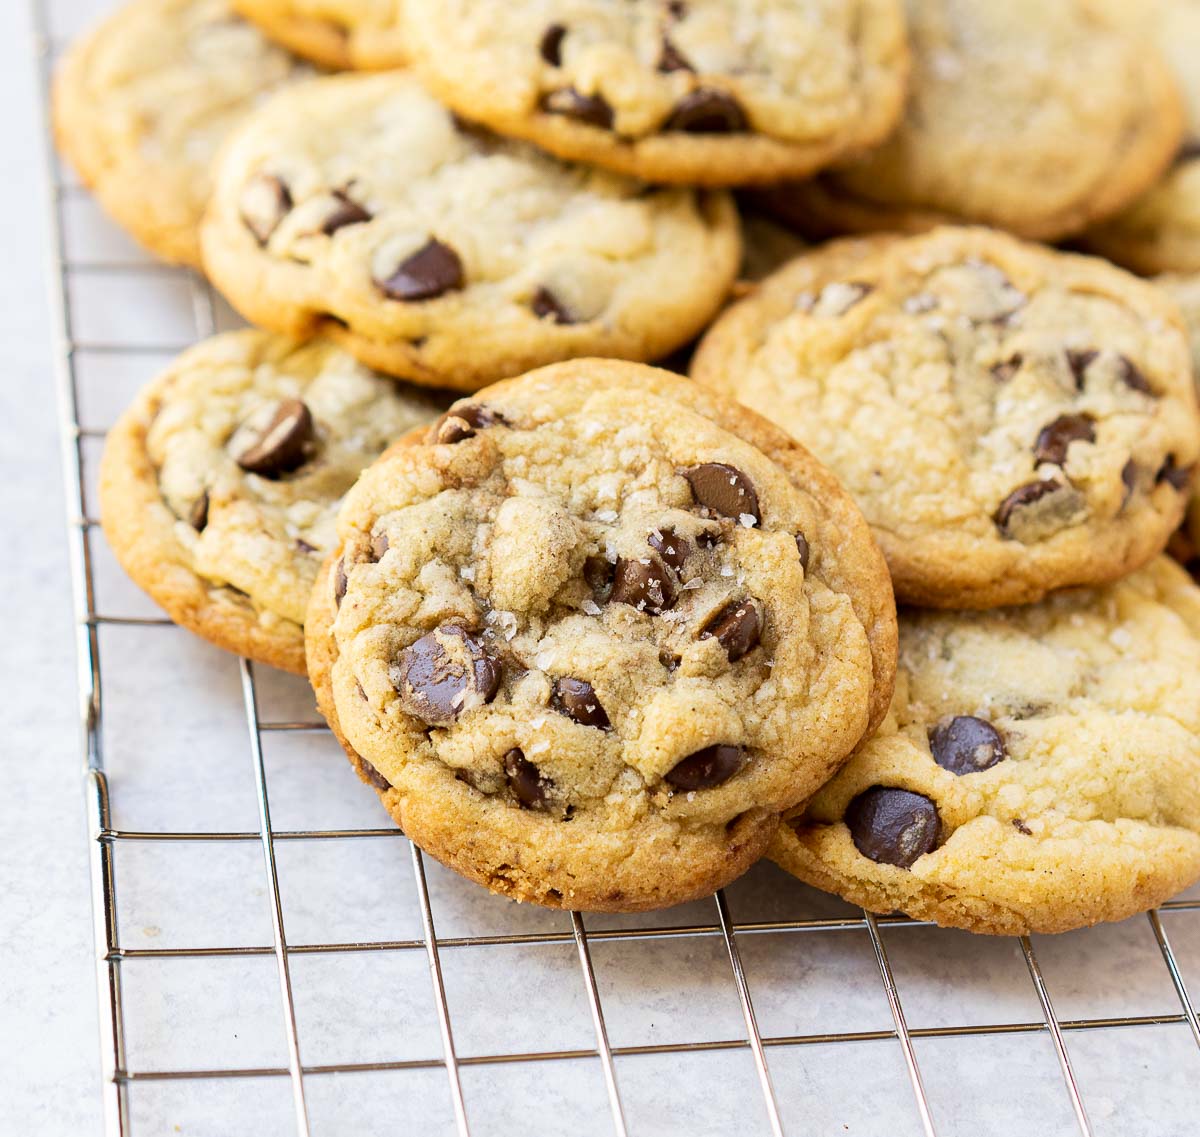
(175, 742)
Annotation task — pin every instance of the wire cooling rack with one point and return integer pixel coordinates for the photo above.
(304, 971)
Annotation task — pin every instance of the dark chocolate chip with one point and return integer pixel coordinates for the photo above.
(1129, 478)
(304, 546)
(372, 775)
(1002, 372)
(673, 548)
(525, 781)
(707, 768)
(669, 660)
(284, 444)
(266, 201)
(433, 683)
(965, 744)
(546, 304)
(1021, 827)
(1021, 497)
(1189, 150)
(724, 489)
(672, 59)
(1174, 475)
(645, 583)
(892, 826)
(707, 112)
(465, 421)
(1132, 376)
(379, 545)
(1079, 362)
(551, 46)
(577, 699)
(340, 582)
(802, 549)
(345, 212)
(198, 514)
(599, 573)
(737, 629)
(593, 110)
(1053, 441)
(432, 271)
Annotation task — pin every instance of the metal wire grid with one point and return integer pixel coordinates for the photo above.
(103, 838)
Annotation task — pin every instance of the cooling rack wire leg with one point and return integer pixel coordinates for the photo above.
(1164, 945)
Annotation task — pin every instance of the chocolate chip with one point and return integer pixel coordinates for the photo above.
(1129, 477)
(707, 112)
(593, 110)
(551, 46)
(577, 699)
(437, 680)
(465, 421)
(1053, 440)
(669, 545)
(965, 744)
(379, 545)
(737, 629)
(599, 573)
(1175, 476)
(672, 59)
(546, 304)
(198, 514)
(340, 582)
(802, 549)
(372, 775)
(284, 444)
(432, 271)
(724, 489)
(1002, 372)
(892, 826)
(525, 781)
(669, 660)
(304, 546)
(1022, 497)
(646, 584)
(707, 768)
(265, 202)
(1189, 150)
(1079, 362)
(345, 212)
(1021, 827)
(1132, 376)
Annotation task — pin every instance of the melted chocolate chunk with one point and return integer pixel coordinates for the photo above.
(577, 699)
(438, 679)
(432, 271)
(965, 744)
(737, 629)
(525, 781)
(379, 545)
(724, 489)
(669, 545)
(198, 514)
(672, 59)
(265, 202)
(1129, 478)
(802, 549)
(599, 573)
(892, 826)
(547, 305)
(346, 211)
(465, 421)
(304, 546)
(372, 775)
(1053, 441)
(1132, 376)
(1002, 372)
(707, 768)
(593, 110)
(1178, 477)
(550, 48)
(284, 444)
(644, 583)
(1022, 497)
(1079, 362)
(707, 112)
(340, 582)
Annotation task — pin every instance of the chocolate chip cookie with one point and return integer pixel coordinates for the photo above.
(359, 206)
(339, 34)
(588, 643)
(220, 485)
(1033, 117)
(143, 103)
(1011, 419)
(1040, 770)
(1160, 232)
(705, 92)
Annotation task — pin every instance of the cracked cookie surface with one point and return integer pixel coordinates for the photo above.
(1040, 770)
(717, 92)
(219, 487)
(1011, 419)
(1036, 118)
(359, 206)
(338, 34)
(588, 643)
(143, 103)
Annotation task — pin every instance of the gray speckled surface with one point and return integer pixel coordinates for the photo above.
(175, 746)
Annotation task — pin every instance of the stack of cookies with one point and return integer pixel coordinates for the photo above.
(599, 635)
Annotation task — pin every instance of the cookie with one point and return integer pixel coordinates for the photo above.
(704, 92)
(359, 206)
(1011, 419)
(339, 34)
(219, 486)
(1160, 232)
(1185, 291)
(588, 643)
(143, 103)
(1033, 117)
(1040, 770)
